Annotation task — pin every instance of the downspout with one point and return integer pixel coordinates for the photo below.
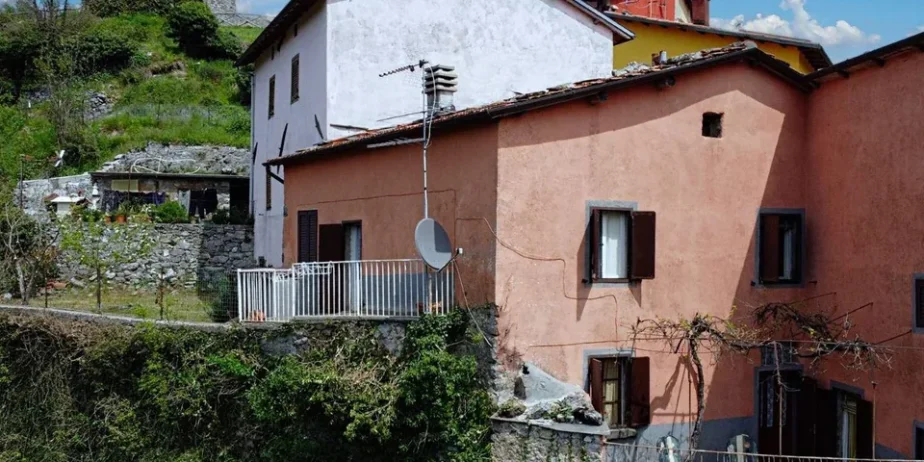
(253, 95)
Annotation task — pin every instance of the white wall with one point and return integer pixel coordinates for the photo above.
(497, 46)
(311, 46)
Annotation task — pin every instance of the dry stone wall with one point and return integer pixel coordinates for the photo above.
(184, 253)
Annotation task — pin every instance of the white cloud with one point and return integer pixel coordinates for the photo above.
(802, 25)
(917, 30)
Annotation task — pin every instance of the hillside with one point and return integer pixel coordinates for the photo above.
(99, 87)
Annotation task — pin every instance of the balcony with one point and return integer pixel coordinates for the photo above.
(367, 289)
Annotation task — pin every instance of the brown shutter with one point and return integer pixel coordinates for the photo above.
(596, 384)
(826, 423)
(595, 245)
(330, 246)
(919, 303)
(272, 97)
(269, 189)
(806, 418)
(307, 236)
(295, 78)
(769, 250)
(639, 392)
(864, 429)
(642, 242)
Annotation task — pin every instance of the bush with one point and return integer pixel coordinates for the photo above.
(225, 299)
(194, 28)
(171, 212)
(231, 217)
(167, 393)
(225, 45)
(106, 8)
(106, 46)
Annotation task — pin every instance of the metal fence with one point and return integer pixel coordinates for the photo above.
(212, 115)
(355, 289)
(629, 452)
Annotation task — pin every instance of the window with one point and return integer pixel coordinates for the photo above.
(295, 79)
(272, 96)
(781, 246)
(269, 189)
(917, 303)
(622, 245)
(712, 125)
(619, 390)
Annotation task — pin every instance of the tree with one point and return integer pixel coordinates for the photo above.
(99, 246)
(27, 249)
(818, 337)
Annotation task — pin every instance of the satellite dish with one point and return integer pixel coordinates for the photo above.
(433, 244)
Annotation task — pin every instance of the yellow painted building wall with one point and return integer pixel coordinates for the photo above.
(652, 39)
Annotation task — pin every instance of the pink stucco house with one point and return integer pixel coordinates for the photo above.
(719, 180)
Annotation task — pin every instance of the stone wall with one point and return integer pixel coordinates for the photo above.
(186, 254)
(161, 158)
(527, 442)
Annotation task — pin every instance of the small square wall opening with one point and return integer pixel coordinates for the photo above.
(712, 124)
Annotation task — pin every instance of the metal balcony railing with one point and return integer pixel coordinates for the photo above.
(348, 289)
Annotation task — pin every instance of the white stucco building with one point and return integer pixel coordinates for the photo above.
(334, 50)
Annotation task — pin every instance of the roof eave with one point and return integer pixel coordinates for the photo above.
(619, 31)
(753, 55)
(915, 41)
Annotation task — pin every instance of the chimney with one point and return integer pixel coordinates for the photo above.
(440, 84)
(699, 12)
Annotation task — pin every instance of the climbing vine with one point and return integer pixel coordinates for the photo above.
(82, 392)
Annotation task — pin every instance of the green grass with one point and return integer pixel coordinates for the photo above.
(197, 104)
(181, 304)
(246, 34)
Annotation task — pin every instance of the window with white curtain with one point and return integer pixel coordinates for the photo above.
(614, 244)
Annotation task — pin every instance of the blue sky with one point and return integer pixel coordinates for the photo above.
(845, 27)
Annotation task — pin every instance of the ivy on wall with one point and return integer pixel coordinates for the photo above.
(80, 392)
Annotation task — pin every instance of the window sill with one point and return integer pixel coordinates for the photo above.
(622, 433)
(778, 285)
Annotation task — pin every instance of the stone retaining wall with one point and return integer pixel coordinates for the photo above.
(186, 254)
(529, 442)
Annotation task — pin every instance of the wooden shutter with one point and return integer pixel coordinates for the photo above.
(307, 236)
(864, 429)
(295, 78)
(642, 242)
(595, 245)
(805, 417)
(272, 97)
(769, 249)
(639, 392)
(596, 384)
(330, 246)
(269, 189)
(826, 423)
(919, 303)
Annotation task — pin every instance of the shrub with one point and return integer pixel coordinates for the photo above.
(105, 46)
(106, 8)
(225, 45)
(224, 304)
(171, 212)
(167, 393)
(194, 28)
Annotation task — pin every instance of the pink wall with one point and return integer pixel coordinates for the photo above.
(645, 145)
(382, 188)
(865, 213)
